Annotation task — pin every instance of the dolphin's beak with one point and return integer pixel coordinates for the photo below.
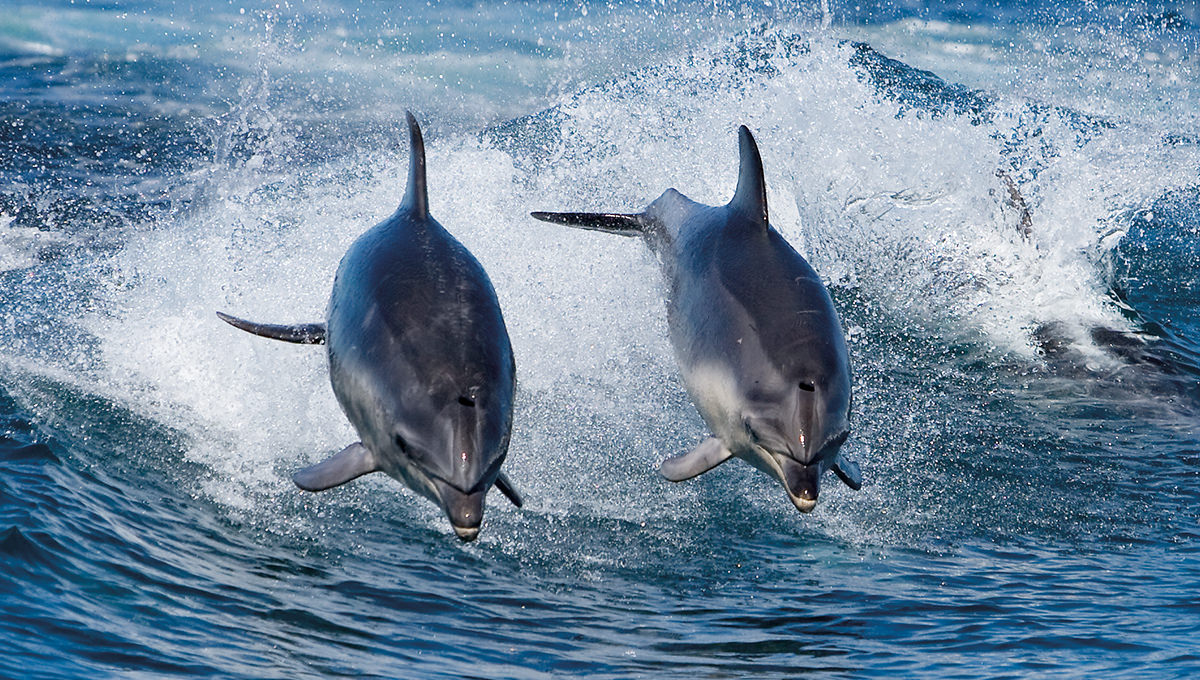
(466, 534)
(465, 510)
(803, 504)
(803, 482)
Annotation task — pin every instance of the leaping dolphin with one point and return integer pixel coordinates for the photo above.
(419, 359)
(755, 333)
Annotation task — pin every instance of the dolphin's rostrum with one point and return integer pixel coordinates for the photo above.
(757, 339)
(419, 359)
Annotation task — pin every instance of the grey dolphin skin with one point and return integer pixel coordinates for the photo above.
(755, 333)
(419, 359)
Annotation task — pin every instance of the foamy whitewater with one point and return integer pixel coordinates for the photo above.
(1004, 202)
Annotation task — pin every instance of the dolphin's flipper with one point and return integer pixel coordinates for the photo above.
(303, 334)
(506, 488)
(352, 462)
(750, 198)
(706, 456)
(624, 225)
(849, 472)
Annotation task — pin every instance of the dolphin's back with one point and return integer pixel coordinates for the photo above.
(768, 291)
(428, 295)
(786, 301)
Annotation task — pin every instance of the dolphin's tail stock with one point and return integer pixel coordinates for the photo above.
(301, 334)
(624, 225)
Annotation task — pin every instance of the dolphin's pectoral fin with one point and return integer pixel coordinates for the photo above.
(303, 334)
(506, 488)
(624, 225)
(849, 472)
(352, 462)
(707, 455)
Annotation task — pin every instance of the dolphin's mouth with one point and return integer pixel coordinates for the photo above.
(466, 534)
(802, 482)
(802, 504)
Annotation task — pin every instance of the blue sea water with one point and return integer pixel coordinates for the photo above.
(1004, 199)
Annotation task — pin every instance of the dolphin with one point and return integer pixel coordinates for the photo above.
(757, 339)
(419, 359)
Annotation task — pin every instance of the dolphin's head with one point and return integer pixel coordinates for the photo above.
(452, 453)
(801, 430)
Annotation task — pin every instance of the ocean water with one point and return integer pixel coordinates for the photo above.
(1004, 199)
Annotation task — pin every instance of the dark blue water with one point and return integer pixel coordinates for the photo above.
(1025, 367)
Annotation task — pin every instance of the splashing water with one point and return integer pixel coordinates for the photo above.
(1024, 402)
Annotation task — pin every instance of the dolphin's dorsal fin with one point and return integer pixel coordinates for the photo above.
(750, 198)
(416, 197)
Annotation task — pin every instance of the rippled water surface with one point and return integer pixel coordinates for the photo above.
(1004, 200)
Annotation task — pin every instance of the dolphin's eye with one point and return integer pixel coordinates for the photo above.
(466, 401)
(401, 443)
(808, 387)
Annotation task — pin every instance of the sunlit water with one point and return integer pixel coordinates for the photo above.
(1025, 404)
